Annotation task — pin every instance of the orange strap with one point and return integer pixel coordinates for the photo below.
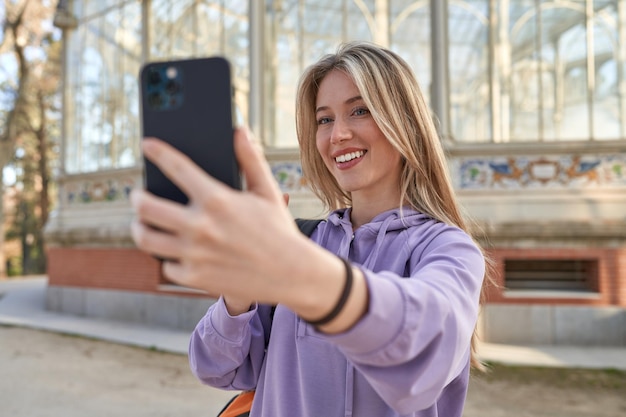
(240, 405)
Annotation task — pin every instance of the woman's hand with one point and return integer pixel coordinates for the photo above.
(224, 241)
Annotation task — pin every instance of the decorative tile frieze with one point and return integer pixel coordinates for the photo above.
(555, 171)
(469, 173)
(111, 186)
(98, 191)
(99, 187)
(288, 174)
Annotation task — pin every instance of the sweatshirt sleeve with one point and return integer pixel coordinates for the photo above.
(227, 351)
(415, 338)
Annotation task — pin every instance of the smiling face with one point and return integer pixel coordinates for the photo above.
(352, 146)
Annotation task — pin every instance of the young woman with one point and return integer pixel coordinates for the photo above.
(376, 312)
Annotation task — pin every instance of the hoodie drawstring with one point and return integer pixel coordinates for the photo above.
(373, 257)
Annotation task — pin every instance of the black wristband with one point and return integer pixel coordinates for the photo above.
(341, 303)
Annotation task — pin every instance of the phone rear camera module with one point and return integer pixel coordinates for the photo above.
(164, 87)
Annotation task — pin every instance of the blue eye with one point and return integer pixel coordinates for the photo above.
(323, 120)
(361, 111)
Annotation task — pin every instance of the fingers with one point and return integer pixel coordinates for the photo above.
(157, 243)
(158, 212)
(255, 168)
(198, 185)
(178, 167)
(158, 224)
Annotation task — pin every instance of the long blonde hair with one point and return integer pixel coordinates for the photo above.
(395, 100)
(391, 93)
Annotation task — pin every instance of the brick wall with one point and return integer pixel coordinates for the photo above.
(111, 268)
(132, 270)
(620, 277)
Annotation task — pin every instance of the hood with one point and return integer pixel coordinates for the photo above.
(387, 221)
(387, 232)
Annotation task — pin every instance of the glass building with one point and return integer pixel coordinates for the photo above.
(503, 71)
(529, 97)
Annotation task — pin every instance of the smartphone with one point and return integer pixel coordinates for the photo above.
(189, 104)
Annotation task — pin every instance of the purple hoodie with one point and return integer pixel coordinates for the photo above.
(408, 356)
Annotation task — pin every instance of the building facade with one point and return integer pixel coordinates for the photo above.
(529, 98)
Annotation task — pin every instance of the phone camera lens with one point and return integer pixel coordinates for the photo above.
(154, 78)
(155, 100)
(172, 87)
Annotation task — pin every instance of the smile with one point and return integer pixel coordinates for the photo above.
(349, 156)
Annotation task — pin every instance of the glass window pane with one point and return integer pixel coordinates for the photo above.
(411, 37)
(606, 103)
(301, 31)
(468, 27)
(570, 113)
(560, 86)
(103, 55)
(192, 28)
(523, 64)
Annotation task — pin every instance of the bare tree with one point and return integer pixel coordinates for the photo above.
(37, 149)
(23, 29)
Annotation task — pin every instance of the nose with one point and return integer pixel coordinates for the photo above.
(341, 131)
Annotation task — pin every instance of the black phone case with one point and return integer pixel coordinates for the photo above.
(189, 104)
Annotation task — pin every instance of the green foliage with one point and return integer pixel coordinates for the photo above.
(14, 266)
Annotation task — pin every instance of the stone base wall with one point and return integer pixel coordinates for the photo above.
(161, 310)
(549, 324)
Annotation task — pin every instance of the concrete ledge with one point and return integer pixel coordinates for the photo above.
(540, 230)
(583, 357)
(170, 311)
(22, 304)
(533, 324)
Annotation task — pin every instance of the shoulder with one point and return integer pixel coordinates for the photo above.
(436, 236)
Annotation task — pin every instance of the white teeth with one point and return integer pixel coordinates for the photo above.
(349, 156)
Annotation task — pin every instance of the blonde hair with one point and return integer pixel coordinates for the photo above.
(395, 100)
(393, 97)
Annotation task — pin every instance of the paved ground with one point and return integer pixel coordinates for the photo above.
(547, 392)
(50, 375)
(45, 374)
(98, 371)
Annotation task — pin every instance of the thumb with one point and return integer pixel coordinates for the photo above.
(255, 169)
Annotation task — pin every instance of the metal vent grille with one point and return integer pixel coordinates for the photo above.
(560, 275)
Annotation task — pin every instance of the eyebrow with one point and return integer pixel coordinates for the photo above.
(348, 101)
